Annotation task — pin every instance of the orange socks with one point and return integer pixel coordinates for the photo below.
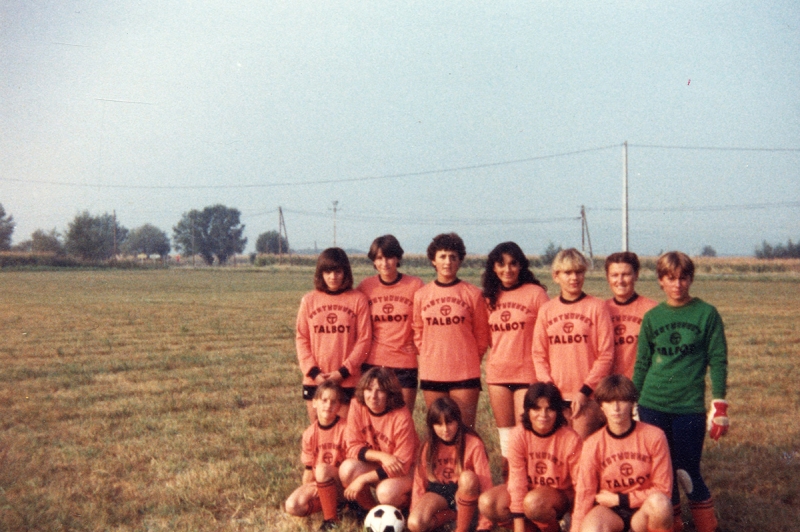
(328, 499)
(365, 498)
(465, 511)
(703, 514)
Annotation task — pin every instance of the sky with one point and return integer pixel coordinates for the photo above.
(497, 120)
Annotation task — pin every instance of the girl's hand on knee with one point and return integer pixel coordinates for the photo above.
(607, 498)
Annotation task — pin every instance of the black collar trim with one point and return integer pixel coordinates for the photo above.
(561, 298)
(624, 434)
(447, 285)
(384, 283)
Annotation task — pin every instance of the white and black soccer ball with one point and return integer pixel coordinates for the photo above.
(384, 518)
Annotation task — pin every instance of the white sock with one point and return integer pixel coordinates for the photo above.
(504, 433)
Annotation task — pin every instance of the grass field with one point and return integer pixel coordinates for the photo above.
(169, 399)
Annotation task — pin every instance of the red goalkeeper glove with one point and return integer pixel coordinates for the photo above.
(718, 421)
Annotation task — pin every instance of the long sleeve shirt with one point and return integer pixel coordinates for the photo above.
(392, 432)
(391, 307)
(634, 465)
(573, 344)
(323, 445)
(451, 331)
(626, 318)
(333, 332)
(511, 323)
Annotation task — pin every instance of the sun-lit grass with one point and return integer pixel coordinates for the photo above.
(169, 399)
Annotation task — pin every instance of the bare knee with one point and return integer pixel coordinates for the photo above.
(493, 504)
(468, 484)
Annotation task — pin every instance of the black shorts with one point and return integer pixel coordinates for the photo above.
(625, 514)
(408, 377)
(439, 386)
(512, 386)
(309, 391)
(446, 490)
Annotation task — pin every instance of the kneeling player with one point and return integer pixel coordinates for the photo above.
(543, 454)
(323, 451)
(625, 473)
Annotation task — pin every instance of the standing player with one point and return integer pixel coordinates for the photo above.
(624, 475)
(391, 302)
(573, 342)
(333, 329)
(322, 453)
(513, 296)
(451, 330)
(382, 443)
(452, 471)
(543, 458)
(626, 309)
(680, 340)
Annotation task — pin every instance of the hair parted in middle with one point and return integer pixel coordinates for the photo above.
(444, 410)
(330, 260)
(675, 263)
(387, 381)
(616, 388)
(447, 242)
(624, 257)
(549, 391)
(492, 284)
(332, 386)
(569, 259)
(388, 245)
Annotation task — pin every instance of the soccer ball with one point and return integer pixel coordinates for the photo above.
(384, 518)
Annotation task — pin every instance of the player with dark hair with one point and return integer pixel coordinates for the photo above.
(624, 476)
(543, 458)
(451, 330)
(391, 302)
(626, 308)
(333, 329)
(573, 342)
(452, 471)
(323, 450)
(381, 442)
(680, 341)
(513, 295)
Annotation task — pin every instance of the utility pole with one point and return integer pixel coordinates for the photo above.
(625, 196)
(281, 235)
(335, 205)
(585, 233)
(114, 256)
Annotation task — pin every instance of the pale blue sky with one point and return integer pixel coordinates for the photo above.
(241, 95)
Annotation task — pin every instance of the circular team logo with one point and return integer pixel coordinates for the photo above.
(445, 310)
(540, 468)
(675, 338)
(568, 327)
(448, 473)
(505, 316)
(331, 318)
(626, 469)
(388, 308)
(327, 458)
(619, 330)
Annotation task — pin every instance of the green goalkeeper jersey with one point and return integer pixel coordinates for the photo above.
(676, 346)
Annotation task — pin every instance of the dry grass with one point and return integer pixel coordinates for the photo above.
(155, 400)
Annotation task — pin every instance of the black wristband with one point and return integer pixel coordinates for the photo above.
(313, 372)
(362, 454)
(344, 372)
(585, 390)
(382, 474)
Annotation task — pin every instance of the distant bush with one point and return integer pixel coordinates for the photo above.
(767, 251)
(15, 259)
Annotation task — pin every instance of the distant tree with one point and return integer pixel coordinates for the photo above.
(708, 251)
(47, 242)
(549, 254)
(213, 232)
(94, 237)
(6, 229)
(767, 251)
(268, 243)
(147, 239)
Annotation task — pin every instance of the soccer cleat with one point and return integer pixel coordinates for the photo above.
(328, 524)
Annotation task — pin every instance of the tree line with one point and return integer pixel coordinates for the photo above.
(214, 233)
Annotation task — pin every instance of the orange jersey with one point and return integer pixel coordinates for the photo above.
(626, 318)
(392, 307)
(324, 445)
(511, 324)
(634, 465)
(445, 467)
(535, 460)
(573, 343)
(451, 331)
(392, 432)
(333, 331)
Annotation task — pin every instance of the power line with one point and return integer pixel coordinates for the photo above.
(416, 220)
(711, 148)
(701, 208)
